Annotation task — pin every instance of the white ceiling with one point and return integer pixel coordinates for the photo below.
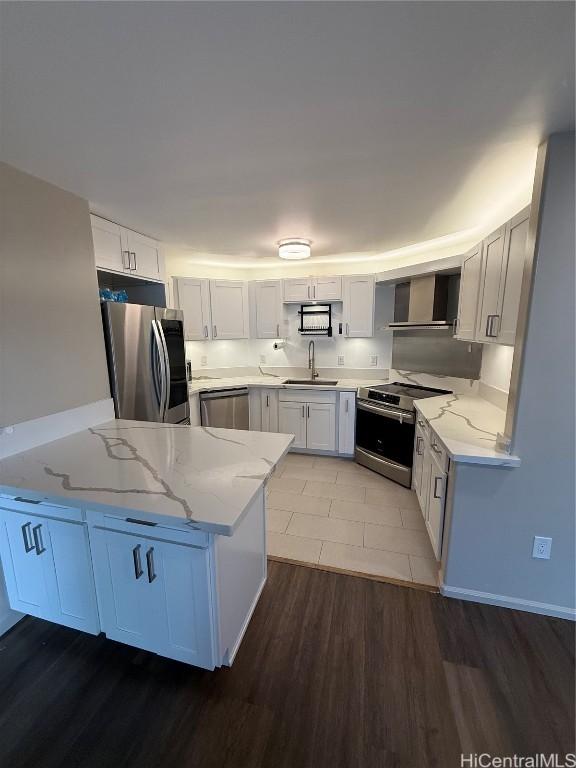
(222, 127)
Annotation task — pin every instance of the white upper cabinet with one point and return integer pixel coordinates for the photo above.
(511, 279)
(297, 290)
(110, 249)
(119, 249)
(192, 296)
(312, 289)
(327, 288)
(268, 309)
(145, 255)
(491, 284)
(229, 305)
(468, 300)
(358, 306)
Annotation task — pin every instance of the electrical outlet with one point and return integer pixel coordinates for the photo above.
(542, 547)
(204, 360)
(340, 359)
(262, 359)
(374, 360)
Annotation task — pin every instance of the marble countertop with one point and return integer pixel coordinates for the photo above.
(468, 427)
(277, 382)
(206, 476)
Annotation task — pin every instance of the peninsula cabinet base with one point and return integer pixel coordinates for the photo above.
(164, 587)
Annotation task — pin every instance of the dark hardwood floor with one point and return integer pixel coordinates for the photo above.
(334, 671)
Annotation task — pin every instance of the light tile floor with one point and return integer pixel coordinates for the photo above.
(329, 511)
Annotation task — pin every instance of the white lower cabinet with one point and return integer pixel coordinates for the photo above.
(269, 410)
(48, 568)
(346, 423)
(310, 417)
(292, 421)
(429, 480)
(155, 595)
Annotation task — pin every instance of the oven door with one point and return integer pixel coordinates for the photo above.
(385, 440)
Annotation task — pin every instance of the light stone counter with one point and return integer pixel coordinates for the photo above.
(277, 382)
(468, 427)
(206, 476)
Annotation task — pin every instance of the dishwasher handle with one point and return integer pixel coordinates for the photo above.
(220, 393)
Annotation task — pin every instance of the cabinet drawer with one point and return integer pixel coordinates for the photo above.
(307, 396)
(141, 527)
(438, 451)
(40, 508)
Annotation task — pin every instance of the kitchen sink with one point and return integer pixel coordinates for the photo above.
(316, 382)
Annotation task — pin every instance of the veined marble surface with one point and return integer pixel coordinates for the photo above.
(468, 428)
(203, 475)
(276, 382)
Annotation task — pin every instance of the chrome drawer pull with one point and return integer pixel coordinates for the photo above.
(436, 449)
(436, 496)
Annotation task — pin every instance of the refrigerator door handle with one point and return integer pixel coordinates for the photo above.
(161, 350)
(166, 370)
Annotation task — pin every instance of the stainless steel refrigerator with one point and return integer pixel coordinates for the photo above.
(146, 362)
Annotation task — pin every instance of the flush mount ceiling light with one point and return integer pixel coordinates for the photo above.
(294, 248)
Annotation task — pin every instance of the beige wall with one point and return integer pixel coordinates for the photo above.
(52, 354)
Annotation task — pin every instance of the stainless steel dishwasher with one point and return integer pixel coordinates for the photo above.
(227, 408)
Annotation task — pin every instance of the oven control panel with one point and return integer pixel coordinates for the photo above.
(383, 397)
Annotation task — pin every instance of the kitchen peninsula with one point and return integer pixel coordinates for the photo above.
(151, 533)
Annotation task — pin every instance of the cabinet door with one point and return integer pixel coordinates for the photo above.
(268, 296)
(229, 304)
(321, 426)
(469, 294)
(346, 423)
(110, 248)
(327, 288)
(192, 296)
(298, 289)
(292, 421)
(418, 463)
(269, 401)
(130, 611)
(511, 283)
(28, 570)
(422, 493)
(182, 577)
(145, 255)
(490, 286)
(435, 517)
(358, 306)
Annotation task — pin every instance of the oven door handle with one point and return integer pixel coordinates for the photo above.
(401, 416)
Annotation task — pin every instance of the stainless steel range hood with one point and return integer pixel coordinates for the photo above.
(426, 302)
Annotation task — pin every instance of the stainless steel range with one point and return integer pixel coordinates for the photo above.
(385, 425)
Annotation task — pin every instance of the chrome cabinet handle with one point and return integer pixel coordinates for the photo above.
(150, 565)
(215, 331)
(435, 448)
(308, 411)
(347, 330)
(277, 330)
(25, 535)
(436, 496)
(126, 262)
(456, 324)
(419, 442)
(346, 405)
(205, 331)
(137, 562)
(493, 333)
(308, 291)
(267, 401)
(303, 412)
(487, 333)
(314, 291)
(421, 423)
(135, 263)
(38, 543)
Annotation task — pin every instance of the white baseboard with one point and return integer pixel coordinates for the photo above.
(505, 601)
(29, 434)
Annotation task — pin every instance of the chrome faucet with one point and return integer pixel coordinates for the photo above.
(312, 361)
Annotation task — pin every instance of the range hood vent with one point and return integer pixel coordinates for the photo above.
(426, 302)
